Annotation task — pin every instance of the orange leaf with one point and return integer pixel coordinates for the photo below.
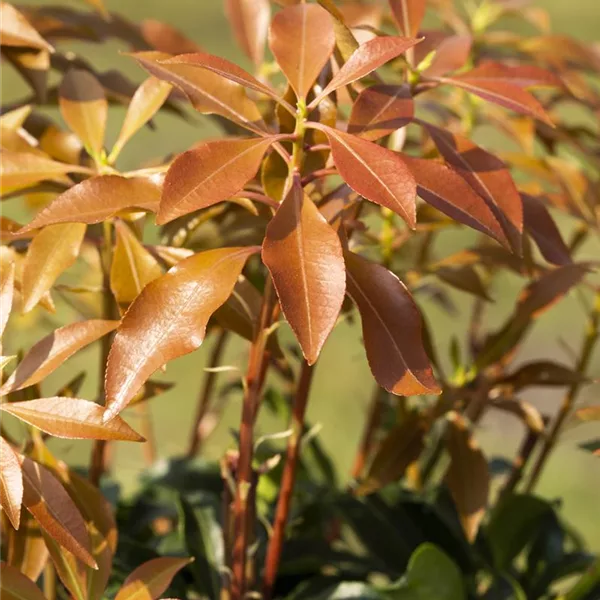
(26, 550)
(408, 14)
(165, 38)
(11, 483)
(15, 586)
(250, 22)
(16, 30)
(452, 54)
(7, 288)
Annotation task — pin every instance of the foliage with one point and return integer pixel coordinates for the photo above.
(344, 160)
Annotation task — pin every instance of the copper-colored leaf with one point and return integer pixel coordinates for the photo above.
(523, 76)
(376, 173)
(7, 288)
(11, 483)
(302, 39)
(452, 54)
(99, 198)
(15, 586)
(392, 328)
(72, 572)
(408, 14)
(468, 476)
(250, 22)
(151, 579)
(53, 250)
(26, 550)
(16, 30)
(46, 499)
(53, 350)
(588, 413)
(165, 38)
(381, 109)
(168, 319)
(84, 108)
(71, 418)
(304, 256)
(344, 38)
(133, 267)
(210, 173)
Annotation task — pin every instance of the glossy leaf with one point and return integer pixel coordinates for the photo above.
(392, 328)
(302, 39)
(15, 586)
(16, 30)
(53, 250)
(408, 15)
(210, 173)
(99, 198)
(11, 483)
(168, 319)
(71, 418)
(376, 173)
(250, 23)
(133, 267)
(84, 108)
(468, 477)
(7, 288)
(53, 350)
(151, 579)
(379, 110)
(304, 256)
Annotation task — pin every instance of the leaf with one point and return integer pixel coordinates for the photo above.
(151, 579)
(46, 499)
(468, 477)
(452, 54)
(165, 38)
(7, 288)
(542, 228)
(542, 373)
(99, 198)
(33, 65)
(344, 38)
(464, 278)
(71, 571)
(71, 418)
(132, 268)
(210, 173)
(52, 251)
(522, 76)
(13, 584)
(16, 30)
(376, 173)
(392, 328)
(11, 483)
(589, 413)
(302, 39)
(379, 110)
(84, 108)
(53, 350)
(168, 319)
(408, 15)
(26, 550)
(250, 22)
(304, 257)
(145, 103)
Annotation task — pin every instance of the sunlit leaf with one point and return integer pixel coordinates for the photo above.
(344, 38)
(250, 22)
(15, 586)
(7, 287)
(16, 30)
(408, 15)
(523, 76)
(168, 319)
(304, 256)
(72, 572)
(11, 483)
(26, 550)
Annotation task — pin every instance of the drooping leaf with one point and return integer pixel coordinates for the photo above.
(304, 256)
(392, 328)
(99, 198)
(408, 15)
(376, 173)
(542, 373)
(71, 418)
(53, 350)
(250, 23)
(7, 288)
(210, 173)
(16, 30)
(465, 278)
(468, 477)
(168, 319)
(151, 579)
(53, 250)
(379, 110)
(13, 584)
(84, 108)
(11, 483)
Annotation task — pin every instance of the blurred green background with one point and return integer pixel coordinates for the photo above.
(343, 383)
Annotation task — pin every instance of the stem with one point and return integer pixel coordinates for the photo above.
(206, 394)
(287, 480)
(589, 342)
(526, 450)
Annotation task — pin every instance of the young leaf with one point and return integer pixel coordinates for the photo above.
(151, 579)
(302, 39)
(99, 198)
(168, 319)
(210, 173)
(133, 267)
(250, 22)
(11, 483)
(53, 350)
(468, 477)
(46, 499)
(7, 288)
(304, 256)
(165, 38)
(392, 328)
(379, 110)
(16, 30)
(13, 584)
(71, 418)
(53, 250)
(84, 108)
(376, 173)
(408, 15)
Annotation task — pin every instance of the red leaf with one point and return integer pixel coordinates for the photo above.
(408, 14)
(250, 22)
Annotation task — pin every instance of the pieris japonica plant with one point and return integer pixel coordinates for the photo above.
(346, 155)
